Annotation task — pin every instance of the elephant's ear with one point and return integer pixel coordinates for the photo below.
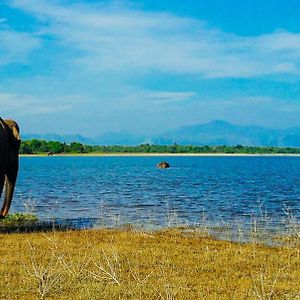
(13, 131)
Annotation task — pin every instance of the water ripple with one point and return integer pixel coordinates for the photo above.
(224, 188)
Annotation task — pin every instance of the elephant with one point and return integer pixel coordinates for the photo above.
(163, 165)
(9, 161)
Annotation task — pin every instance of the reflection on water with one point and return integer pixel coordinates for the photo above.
(118, 190)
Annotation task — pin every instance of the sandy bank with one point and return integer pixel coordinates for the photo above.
(162, 154)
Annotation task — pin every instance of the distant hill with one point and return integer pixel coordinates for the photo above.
(224, 133)
(122, 138)
(212, 133)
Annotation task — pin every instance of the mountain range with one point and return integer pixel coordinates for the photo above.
(212, 133)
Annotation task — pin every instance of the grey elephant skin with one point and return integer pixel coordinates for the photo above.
(9, 161)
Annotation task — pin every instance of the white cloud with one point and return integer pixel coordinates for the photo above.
(258, 102)
(162, 97)
(92, 50)
(128, 40)
(22, 105)
(15, 46)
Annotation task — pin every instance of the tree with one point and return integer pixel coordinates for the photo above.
(76, 147)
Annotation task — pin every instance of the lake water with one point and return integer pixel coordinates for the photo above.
(119, 189)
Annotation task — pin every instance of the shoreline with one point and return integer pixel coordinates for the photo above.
(164, 155)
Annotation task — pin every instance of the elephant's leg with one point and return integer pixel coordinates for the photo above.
(10, 181)
(2, 175)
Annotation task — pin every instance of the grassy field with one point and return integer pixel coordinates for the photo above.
(124, 264)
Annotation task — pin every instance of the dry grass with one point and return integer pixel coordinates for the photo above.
(120, 264)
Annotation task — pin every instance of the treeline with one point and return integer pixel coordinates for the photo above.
(53, 147)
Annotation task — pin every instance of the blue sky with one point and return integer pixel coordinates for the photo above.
(148, 66)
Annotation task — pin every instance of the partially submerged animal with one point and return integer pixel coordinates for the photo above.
(163, 165)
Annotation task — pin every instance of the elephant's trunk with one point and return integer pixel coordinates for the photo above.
(10, 181)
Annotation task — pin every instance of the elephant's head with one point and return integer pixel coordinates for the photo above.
(10, 140)
(163, 165)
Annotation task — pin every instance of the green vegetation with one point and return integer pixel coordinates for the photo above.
(120, 264)
(17, 218)
(40, 146)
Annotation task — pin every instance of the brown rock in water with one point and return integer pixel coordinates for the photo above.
(163, 165)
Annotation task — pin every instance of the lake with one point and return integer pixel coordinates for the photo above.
(130, 189)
